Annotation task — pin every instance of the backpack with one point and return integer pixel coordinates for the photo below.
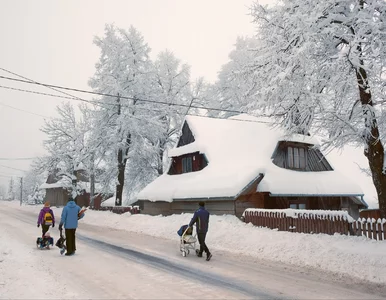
(47, 220)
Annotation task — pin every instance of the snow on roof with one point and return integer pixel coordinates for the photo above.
(62, 183)
(238, 149)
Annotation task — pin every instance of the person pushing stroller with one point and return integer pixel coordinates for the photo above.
(201, 218)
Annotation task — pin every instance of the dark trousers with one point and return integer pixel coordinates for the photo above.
(45, 228)
(201, 240)
(70, 240)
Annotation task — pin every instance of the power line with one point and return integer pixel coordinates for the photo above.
(13, 168)
(26, 111)
(17, 158)
(59, 91)
(140, 108)
(122, 97)
(101, 104)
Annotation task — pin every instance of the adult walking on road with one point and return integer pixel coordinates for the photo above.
(201, 219)
(69, 219)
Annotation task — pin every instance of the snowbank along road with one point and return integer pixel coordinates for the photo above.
(115, 264)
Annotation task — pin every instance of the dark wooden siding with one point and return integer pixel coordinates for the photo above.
(56, 196)
(215, 207)
(198, 163)
(315, 161)
(370, 213)
(186, 136)
(255, 200)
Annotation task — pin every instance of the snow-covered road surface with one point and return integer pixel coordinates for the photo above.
(116, 264)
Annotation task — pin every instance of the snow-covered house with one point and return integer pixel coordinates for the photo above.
(244, 162)
(58, 188)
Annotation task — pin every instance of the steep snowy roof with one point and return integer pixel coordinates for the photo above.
(238, 150)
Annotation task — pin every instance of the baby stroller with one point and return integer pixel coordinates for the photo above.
(61, 243)
(45, 242)
(187, 240)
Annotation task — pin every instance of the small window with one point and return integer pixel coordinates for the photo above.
(296, 158)
(187, 165)
(298, 205)
(290, 158)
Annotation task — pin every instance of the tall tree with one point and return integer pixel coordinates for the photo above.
(172, 86)
(123, 70)
(11, 194)
(235, 87)
(66, 143)
(321, 65)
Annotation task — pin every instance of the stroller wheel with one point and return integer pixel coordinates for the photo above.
(187, 251)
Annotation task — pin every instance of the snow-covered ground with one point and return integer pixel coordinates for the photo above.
(356, 257)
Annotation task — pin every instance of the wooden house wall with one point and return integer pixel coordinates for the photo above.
(186, 136)
(56, 196)
(315, 161)
(83, 200)
(215, 207)
(370, 213)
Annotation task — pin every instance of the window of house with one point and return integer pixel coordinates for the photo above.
(296, 158)
(187, 165)
(298, 205)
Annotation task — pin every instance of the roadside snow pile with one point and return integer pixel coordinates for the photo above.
(358, 257)
(354, 256)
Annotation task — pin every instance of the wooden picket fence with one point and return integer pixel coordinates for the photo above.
(316, 223)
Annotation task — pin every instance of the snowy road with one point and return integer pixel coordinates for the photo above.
(115, 264)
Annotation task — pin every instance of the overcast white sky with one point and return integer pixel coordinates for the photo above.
(51, 42)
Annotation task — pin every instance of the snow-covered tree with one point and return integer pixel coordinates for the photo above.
(321, 65)
(236, 88)
(172, 86)
(3, 192)
(12, 189)
(123, 70)
(66, 143)
(32, 180)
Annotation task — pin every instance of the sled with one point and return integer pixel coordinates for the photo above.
(82, 211)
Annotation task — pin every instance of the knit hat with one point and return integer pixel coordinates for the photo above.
(47, 204)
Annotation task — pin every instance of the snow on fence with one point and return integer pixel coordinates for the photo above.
(316, 221)
(119, 209)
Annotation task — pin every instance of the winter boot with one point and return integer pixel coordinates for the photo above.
(208, 256)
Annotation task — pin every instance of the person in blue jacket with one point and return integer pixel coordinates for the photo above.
(201, 218)
(69, 219)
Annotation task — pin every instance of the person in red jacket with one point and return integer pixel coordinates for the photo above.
(46, 218)
(201, 218)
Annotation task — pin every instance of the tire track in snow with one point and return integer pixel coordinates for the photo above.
(191, 273)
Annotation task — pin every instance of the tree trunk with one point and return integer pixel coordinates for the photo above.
(375, 150)
(161, 150)
(121, 171)
(121, 178)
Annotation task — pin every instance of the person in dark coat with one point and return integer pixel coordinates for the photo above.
(201, 219)
(45, 221)
(69, 219)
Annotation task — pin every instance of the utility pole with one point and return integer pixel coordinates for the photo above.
(21, 190)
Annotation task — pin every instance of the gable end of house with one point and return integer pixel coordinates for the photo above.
(300, 157)
(186, 136)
